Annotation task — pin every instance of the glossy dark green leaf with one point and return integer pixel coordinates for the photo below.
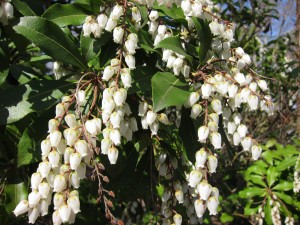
(24, 8)
(168, 90)
(65, 14)
(174, 44)
(141, 77)
(35, 95)
(51, 39)
(14, 193)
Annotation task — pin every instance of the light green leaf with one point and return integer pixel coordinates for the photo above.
(35, 95)
(267, 211)
(168, 90)
(252, 191)
(283, 186)
(174, 44)
(225, 218)
(286, 163)
(272, 175)
(286, 198)
(66, 14)
(51, 39)
(250, 211)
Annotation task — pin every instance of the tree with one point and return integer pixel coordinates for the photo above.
(144, 103)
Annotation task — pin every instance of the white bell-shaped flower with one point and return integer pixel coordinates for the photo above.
(217, 106)
(43, 207)
(236, 138)
(44, 189)
(206, 90)
(33, 214)
(231, 127)
(59, 110)
(144, 123)
(58, 200)
(240, 78)
(111, 24)
(212, 163)
(44, 168)
(201, 157)
(113, 154)
(179, 196)
(71, 120)
(61, 146)
(56, 219)
(120, 96)
(59, 183)
(115, 120)
(71, 136)
(242, 130)
(86, 28)
(253, 86)
(215, 192)
(204, 189)
(232, 90)
(54, 158)
(50, 178)
(153, 15)
(126, 79)
(115, 137)
(34, 198)
(170, 61)
(247, 59)
(81, 147)
(185, 70)
(216, 140)
(80, 97)
(245, 94)
(117, 12)
(262, 85)
(194, 178)
(136, 15)
(246, 143)
(239, 51)
(75, 159)
(64, 212)
(118, 35)
(96, 30)
(105, 145)
(108, 73)
(102, 20)
(67, 154)
(241, 64)
(74, 204)
(154, 128)
(212, 205)
(45, 147)
(52, 125)
(162, 29)
(197, 9)
(177, 218)
(55, 138)
(253, 102)
(203, 133)
(199, 208)
(74, 179)
(130, 46)
(143, 107)
(238, 100)
(193, 98)
(196, 110)
(36, 179)
(91, 126)
(256, 152)
(178, 62)
(150, 117)
(130, 61)
(214, 117)
(21, 208)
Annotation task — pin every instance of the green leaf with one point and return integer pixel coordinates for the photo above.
(267, 211)
(204, 36)
(188, 134)
(252, 191)
(65, 14)
(171, 13)
(256, 179)
(168, 90)
(35, 95)
(225, 218)
(283, 186)
(286, 198)
(271, 143)
(29, 144)
(23, 8)
(14, 193)
(250, 211)
(174, 44)
(286, 163)
(51, 39)
(272, 175)
(141, 77)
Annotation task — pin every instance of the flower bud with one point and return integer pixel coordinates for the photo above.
(21, 208)
(64, 212)
(177, 219)
(56, 218)
(203, 133)
(194, 178)
(256, 151)
(204, 189)
(246, 143)
(216, 140)
(52, 125)
(75, 159)
(44, 189)
(212, 163)
(144, 123)
(206, 90)
(74, 204)
(91, 126)
(196, 110)
(212, 205)
(118, 35)
(199, 208)
(34, 198)
(61, 146)
(55, 138)
(71, 120)
(185, 70)
(179, 196)
(115, 137)
(163, 118)
(130, 61)
(113, 155)
(236, 139)
(102, 20)
(108, 73)
(201, 157)
(33, 214)
(59, 183)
